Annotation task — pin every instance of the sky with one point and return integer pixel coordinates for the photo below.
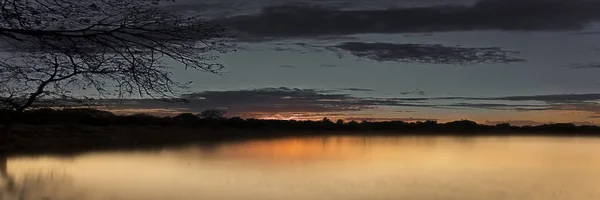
(525, 62)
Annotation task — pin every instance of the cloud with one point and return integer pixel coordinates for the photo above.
(414, 92)
(566, 102)
(593, 65)
(408, 53)
(591, 107)
(498, 106)
(544, 98)
(549, 98)
(329, 65)
(288, 103)
(309, 20)
(336, 37)
(531, 123)
(287, 66)
(587, 33)
(572, 102)
(375, 119)
(357, 89)
(428, 53)
(267, 102)
(264, 101)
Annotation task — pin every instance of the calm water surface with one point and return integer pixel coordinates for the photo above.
(422, 168)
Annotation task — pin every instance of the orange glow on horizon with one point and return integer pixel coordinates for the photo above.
(442, 116)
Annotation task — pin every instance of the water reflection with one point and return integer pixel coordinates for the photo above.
(6, 181)
(34, 184)
(323, 168)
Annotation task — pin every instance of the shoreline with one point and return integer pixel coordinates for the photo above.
(75, 139)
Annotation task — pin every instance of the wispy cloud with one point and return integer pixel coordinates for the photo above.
(357, 89)
(329, 65)
(593, 65)
(587, 33)
(414, 92)
(374, 119)
(531, 123)
(287, 66)
(547, 98)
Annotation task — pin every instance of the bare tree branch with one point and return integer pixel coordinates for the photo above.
(116, 47)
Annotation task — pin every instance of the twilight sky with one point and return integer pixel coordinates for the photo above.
(523, 61)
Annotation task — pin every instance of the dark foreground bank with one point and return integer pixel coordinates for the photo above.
(69, 139)
(75, 130)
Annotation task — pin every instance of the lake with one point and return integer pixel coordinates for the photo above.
(348, 168)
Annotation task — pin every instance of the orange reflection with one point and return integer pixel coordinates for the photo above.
(294, 149)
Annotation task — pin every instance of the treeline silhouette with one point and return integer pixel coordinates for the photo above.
(215, 120)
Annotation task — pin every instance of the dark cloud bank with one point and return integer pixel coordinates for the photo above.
(428, 53)
(289, 21)
(412, 53)
(526, 15)
(269, 101)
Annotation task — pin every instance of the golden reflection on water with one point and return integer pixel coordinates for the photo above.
(326, 168)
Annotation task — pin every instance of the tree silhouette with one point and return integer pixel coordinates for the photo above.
(213, 114)
(186, 118)
(116, 48)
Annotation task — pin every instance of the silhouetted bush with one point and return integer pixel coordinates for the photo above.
(213, 114)
(186, 118)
